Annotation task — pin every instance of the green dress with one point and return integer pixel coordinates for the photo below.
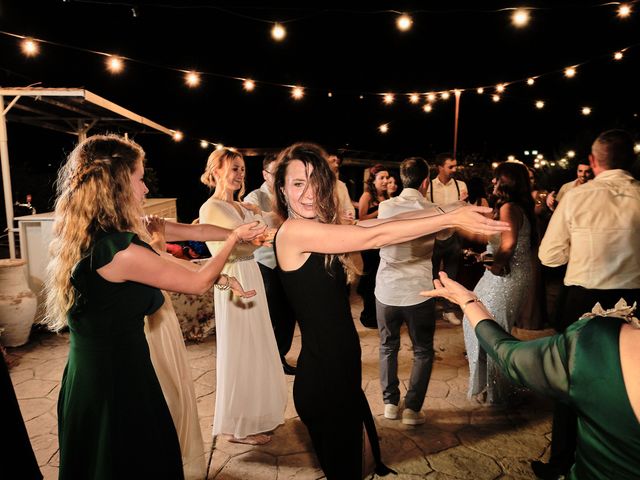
(582, 368)
(113, 421)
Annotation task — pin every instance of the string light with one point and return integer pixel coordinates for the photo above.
(480, 90)
(29, 47)
(361, 97)
(618, 56)
(495, 97)
(330, 94)
(249, 85)
(388, 98)
(178, 136)
(404, 22)
(384, 128)
(192, 79)
(278, 32)
(531, 81)
(204, 143)
(115, 64)
(297, 93)
(571, 154)
(414, 98)
(500, 88)
(586, 110)
(494, 165)
(539, 104)
(520, 17)
(570, 72)
(431, 97)
(427, 107)
(624, 10)
(636, 148)
(511, 158)
(445, 95)
(537, 165)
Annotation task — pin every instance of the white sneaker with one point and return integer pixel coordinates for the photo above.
(411, 417)
(452, 318)
(390, 411)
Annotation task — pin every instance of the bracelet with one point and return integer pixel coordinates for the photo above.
(226, 286)
(472, 300)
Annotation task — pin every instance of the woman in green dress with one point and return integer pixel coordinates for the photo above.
(113, 421)
(594, 366)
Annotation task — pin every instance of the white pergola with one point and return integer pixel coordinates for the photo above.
(74, 111)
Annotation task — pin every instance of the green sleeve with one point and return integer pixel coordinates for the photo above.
(106, 247)
(544, 364)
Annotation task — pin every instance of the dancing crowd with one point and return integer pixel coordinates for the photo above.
(286, 253)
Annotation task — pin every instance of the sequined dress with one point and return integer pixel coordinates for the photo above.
(503, 296)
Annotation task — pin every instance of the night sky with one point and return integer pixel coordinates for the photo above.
(349, 49)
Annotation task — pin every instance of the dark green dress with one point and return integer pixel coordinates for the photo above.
(113, 421)
(582, 368)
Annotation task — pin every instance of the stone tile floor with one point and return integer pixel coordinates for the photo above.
(460, 440)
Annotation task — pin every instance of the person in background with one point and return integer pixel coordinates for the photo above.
(392, 186)
(599, 383)
(447, 252)
(595, 231)
(103, 278)
(347, 210)
(310, 249)
(251, 390)
(282, 318)
(404, 271)
(584, 173)
(375, 192)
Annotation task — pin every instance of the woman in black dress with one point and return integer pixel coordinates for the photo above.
(310, 250)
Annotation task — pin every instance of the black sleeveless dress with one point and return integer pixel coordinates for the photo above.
(327, 390)
(367, 285)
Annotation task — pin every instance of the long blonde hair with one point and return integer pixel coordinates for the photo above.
(220, 161)
(94, 194)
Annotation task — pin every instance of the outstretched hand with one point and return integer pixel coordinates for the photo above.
(449, 289)
(237, 289)
(249, 231)
(471, 218)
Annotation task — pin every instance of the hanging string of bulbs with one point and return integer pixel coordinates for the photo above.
(520, 17)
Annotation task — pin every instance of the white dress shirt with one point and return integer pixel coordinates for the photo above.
(444, 194)
(344, 200)
(405, 268)
(596, 231)
(263, 199)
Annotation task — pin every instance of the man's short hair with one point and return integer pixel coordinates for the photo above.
(413, 171)
(441, 158)
(269, 158)
(614, 149)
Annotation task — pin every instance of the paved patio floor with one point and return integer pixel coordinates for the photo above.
(460, 440)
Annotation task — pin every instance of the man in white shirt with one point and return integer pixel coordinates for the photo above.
(404, 271)
(595, 231)
(280, 311)
(583, 175)
(447, 252)
(345, 205)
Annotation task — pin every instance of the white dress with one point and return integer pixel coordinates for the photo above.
(251, 390)
(503, 296)
(170, 362)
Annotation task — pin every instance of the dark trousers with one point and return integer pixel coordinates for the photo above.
(447, 256)
(367, 286)
(573, 302)
(280, 311)
(421, 323)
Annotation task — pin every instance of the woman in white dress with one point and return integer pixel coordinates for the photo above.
(507, 280)
(251, 391)
(166, 344)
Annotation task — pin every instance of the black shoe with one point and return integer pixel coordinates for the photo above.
(288, 369)
(547, 471)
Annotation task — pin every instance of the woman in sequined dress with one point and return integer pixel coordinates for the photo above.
(507, 280)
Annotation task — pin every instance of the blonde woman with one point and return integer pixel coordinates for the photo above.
(251, 391)
(113, 421)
